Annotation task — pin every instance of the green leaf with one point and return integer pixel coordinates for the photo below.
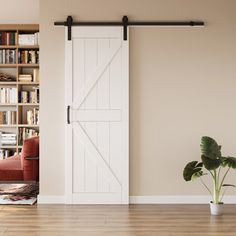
(230, 162)
(191, 169)
(209, 163)
(197, 175)
(223, 163)
(228, 185)
(210, 148)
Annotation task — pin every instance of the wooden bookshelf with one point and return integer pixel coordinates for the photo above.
(8, 83)
(19, 27)
(8, 126)
(28, 47)
(28, 104)
(8, 104)
(28, 65)
(8, 147)
(8, 65)
(8, 46)
(28, 126)
(28, 83)
(15, 69)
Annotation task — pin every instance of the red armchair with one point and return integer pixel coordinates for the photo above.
(24, 167)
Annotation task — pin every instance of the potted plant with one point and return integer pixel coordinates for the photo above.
(213, 164)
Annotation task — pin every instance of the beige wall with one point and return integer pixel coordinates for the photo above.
(182, 86)
(19, 11)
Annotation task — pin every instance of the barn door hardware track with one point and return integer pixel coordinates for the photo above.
(125, 23)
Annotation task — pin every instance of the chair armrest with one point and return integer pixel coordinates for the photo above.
(31, 158)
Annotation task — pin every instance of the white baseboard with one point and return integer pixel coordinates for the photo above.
(45, 199)
(178, 199)
(161, 199)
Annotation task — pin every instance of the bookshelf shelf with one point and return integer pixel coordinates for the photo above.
(8, 65)
(8, 46)
(28, 65)
(8, 126)
(19, 125)
(28, 83)
(8, 83)
(28, 104)
(28, 126)
(23, 62)
(19, 82)
(8, 104)
(28, 46)
(19, 27)
(8, 147)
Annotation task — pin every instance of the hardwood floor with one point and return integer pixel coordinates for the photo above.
(113, 220)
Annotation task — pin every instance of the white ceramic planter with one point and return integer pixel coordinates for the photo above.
(217, 209)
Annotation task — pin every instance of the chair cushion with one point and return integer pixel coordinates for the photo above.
(10, 169)
(30, 167)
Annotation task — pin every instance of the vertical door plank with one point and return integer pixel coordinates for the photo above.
(91, 103)
(78, 82)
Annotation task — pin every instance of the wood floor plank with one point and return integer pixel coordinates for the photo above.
(116, 220)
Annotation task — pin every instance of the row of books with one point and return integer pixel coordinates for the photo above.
(8, 95)
(5, 77)
(29, 96)
(32, 116)
(30, 77)
(28, 39)
(25, 133)
(28, 56)
(7, 56)
(34, 77)
(5, 153)
(10, 38)
(8, 139)
(7, 117)
(7, 38)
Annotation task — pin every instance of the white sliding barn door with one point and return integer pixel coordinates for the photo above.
(97, 137)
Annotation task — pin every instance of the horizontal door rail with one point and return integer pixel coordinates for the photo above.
(125, 23)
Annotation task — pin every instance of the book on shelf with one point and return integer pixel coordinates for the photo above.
(32, 116)
(7, 117)
(8, 95)
(29, 96)
(28, 56)
(7, 38)
(36, 75)
(8, 142)
(8, 136)
(8, 139)
(5, 153)
(25, 78)
(33, 97)
(28, 39)
(30, 77)
(23, 97)
(26, 133)
(4, 77)
(7, 56)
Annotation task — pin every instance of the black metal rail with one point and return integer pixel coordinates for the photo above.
(125, 23)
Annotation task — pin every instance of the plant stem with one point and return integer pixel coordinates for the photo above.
(222, 181)
(211, 174)
(223, 194)
(218, 177)
(205, 186)
(216, 192)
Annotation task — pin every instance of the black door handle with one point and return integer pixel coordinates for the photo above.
(68, 114)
